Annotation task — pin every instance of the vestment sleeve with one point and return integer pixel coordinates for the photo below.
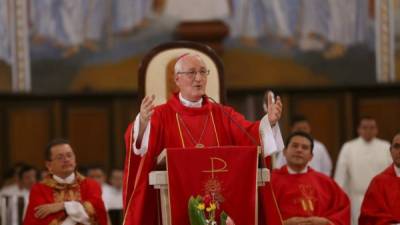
(339, 206)
(40, 195)
(271, 137)
(140, 148)
(93, 203)
(374, 209)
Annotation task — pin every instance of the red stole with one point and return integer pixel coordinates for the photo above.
(310, 194)
(381, 205)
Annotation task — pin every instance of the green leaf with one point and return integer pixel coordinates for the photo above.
(222, 218)
(196, 216)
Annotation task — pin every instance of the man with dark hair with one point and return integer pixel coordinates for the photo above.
(359, 161)
(321, 160)
(381, 203)
(303, 195)
(64, 196)
(18, 194)
(51, 144)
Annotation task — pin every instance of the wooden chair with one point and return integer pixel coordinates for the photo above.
(156, 72)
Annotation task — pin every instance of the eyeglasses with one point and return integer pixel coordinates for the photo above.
(61, 158)
(192, 74)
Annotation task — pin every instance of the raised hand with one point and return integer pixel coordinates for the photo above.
(274, 108)
(146, 109)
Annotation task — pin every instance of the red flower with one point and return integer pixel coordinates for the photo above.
(207, 199)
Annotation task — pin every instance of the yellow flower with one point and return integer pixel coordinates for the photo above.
(200, 206)
(211, 208)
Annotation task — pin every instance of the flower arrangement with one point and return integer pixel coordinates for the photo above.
(202, 211)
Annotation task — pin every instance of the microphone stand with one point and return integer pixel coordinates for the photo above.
(261, 161)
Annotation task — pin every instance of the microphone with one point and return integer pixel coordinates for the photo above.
(233, 120)
(261, 159)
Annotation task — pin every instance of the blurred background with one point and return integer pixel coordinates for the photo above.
(68, 68)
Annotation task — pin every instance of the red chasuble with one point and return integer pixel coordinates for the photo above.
(174, 125)
(228, 173)
(381, 205)
(83, 190)
(310, 194)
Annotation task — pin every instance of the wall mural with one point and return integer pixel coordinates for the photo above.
(97, 45)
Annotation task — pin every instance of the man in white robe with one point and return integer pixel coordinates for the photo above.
(359, 161)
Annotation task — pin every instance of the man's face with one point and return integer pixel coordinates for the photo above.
(191, 87)
(29, 178)
(395, 150)
(62, 162)
(298, 152)
(116, 179)
(303, 126)
(367, 129)
(97, 175)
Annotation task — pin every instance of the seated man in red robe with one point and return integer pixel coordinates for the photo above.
(188, 119)
(64, 196)
(305, 196)
(381, 205)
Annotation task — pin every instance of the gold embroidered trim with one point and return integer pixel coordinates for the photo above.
(49, 181)
(181, 135)
(89, 208)
(215, 128)
(180, 131)
(91, 212)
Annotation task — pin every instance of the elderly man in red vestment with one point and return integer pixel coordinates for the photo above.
(381, 205)
(64, 196)
(188, 119)
(305, 196)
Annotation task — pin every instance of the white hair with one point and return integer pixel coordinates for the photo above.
(179, 63)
